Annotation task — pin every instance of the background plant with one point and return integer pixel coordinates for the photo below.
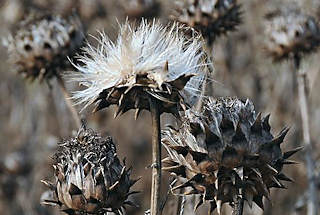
(241, 69)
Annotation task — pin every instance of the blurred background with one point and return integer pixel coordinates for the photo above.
(34, 118)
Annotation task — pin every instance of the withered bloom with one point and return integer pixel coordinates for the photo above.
(141, 8)
(211, 18)
(227, 152)
(290, 32)
(89, 176)
(40, 46)
(146, 60)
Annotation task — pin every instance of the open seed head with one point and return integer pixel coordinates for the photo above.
(89, 176)
(226, 152)
(141, 8)
(39, 48)
(146, 61)
(211, 17)
(290, 33)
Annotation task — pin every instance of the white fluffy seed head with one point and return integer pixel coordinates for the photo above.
(138, 50)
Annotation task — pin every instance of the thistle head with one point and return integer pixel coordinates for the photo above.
(211, 18)
(39, 48)
(90, 179)
(146, 61)
(226, 151)
(290, 33)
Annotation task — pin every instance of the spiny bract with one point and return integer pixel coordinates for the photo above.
(40, 47)
(89, 176)
(289, 32)
(146, 60)
(211, 18)
(226, 152)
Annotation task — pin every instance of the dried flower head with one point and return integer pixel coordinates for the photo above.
(211, 18)
(89, 176)
(40, 47)
(289, 33)
(141, 8)
(148, 60)
(226, 152)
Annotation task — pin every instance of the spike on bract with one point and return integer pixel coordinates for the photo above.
(245, 159)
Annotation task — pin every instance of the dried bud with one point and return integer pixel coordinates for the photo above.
(226, 152)
(211, 18)
(289, 33)
(147, 61)
(40, 47)
(141, 8)
(89, 176)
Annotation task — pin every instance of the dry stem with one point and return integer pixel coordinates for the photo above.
(156, 157)
(304, 110)
(183, 202)
(70, 106)
(238, 206)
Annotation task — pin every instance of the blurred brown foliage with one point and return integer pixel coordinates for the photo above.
(33, 117)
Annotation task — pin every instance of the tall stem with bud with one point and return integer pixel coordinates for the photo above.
(304, 110)
(156, 157)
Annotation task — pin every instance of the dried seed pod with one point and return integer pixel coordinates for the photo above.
(290, 32)
(40, 47)
(147, 61)
(89, 176)
(211, 18)
(226, 152)
(141, 8)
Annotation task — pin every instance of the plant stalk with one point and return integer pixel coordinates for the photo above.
(69, 104)
(312, 207)
(156, 157)
(238, 206)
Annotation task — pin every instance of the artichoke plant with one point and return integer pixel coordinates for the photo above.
(90, 179)
(148, 60)
(290, 33)
(225, 153)
(40, 46)
(211, 18)
(150, 67)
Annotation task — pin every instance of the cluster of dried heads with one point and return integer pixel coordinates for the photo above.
(224, 152)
